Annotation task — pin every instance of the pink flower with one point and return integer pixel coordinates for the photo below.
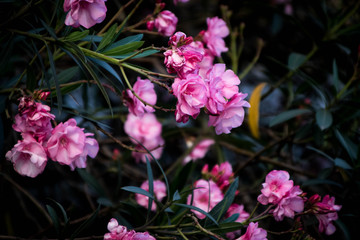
(237, 209)
(199, 150)
(182, 58)
(84, 12)
(231, 116)
(206, 195)
(28, 157)
(222, 85)
(176, 1)
(145, 90)
(144, 131)
(208, 59)
(69, 145)
(276, 186)
(222, 174)
(192, 94)
(159, 191)
(118, 232)
(165, 23)
(289, 204)
(33, 118)
(242, 216)
(326, 212)
(213, 37)
(253, 232)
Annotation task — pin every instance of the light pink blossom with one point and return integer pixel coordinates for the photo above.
(69, 145)
(208, 58)
(34, 118)
(165, 23)
(145, 132)
(223, 85)
(242, 216)
(159, 192)
(276, 186)
(119, 232)
(192, 94)
(289, 204)
(325, 212)
(231, 116)
(213, 36)
(253, 232)
(84, 12)
(145, 90)
(199, 150)
(28, 157)
(206, 195)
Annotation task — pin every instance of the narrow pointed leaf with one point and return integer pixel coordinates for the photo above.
(342, 163)
(123, 49)
(284, 116)
(198, 210)
(296, 60)
(54, 218)
(349, 146)
(254, 110)
(124, 41)
(57, 86)
(108, 37)
(76, 36)
(323, 118)
(138, 190)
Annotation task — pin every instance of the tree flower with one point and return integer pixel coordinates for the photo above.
(213, 36)
(199, 150)
(206, 195)
(145, 90)
(253, 232)
(165, 23)
(159, 192)
(119, 232)
(289, 204)
(84, 12)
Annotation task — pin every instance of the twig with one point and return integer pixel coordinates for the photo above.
(198, 225)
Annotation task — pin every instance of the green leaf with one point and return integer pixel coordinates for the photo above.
(349, 146)
(91, 181)
(321, 153)
(123, 49)
(324, 118)
(342, 163)
(138, 190)
(226, 227)
(92, 38)
(66, 75)
(108, 37)
(66, 89)
(220, 209)
(176, 196)
(284, 116)
(198, 210)
(76, 36)
(140, 55)
(296, 60)
(30, 78)
(85, 224)
(108, 68)
(151, 183)
(232, 218)
(130, 39)
(335, 76)
(54, 218)
(57, 86)
(181, 176)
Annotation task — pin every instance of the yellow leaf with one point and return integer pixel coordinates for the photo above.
(254, 110)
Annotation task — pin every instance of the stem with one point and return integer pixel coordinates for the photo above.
(260, 45)
(101, 56)
(146, 72)
(31, 198)
(128, 16)
(198, 226)
(181, 234)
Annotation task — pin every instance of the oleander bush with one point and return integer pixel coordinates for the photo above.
(183, 119)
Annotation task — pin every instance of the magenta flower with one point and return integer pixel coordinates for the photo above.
(84, 12)
(325, 212)
(289, 204)
(276, 186)
(199, 150)
(69, 145)
(28, 157)
(118, 232)
(145, 90)
(208, 58)
(253, 232)
(222, 174)
(159, 192)
(34, 118)
(192, 94)
(243, 215)
(223, 84)
(213, 37)
(165, 23)
(206, 195)
(231, 116)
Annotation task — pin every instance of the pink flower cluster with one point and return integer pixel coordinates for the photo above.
(66, 143)
(165, 22)
(159, 191)
(119, 232)
(325, 211)
(145, 90)
(221, 174)
(204, 85)
(145, 132)
(281, 192)
(253, 232)
(242, 216)
(199, 150)
(84, 12)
